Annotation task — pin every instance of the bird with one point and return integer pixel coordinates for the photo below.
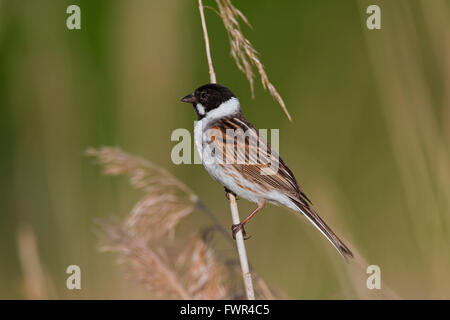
(235, 155)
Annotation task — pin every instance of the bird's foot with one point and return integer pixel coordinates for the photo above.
(235, 228)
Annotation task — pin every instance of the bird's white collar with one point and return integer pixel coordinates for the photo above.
(227, 108)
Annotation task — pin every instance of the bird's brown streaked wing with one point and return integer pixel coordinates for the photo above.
(250, 167)
(249, 162)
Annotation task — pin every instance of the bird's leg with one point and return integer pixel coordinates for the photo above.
(240, 226)
(227, 193)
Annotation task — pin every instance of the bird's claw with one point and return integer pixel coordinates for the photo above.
(235, 228)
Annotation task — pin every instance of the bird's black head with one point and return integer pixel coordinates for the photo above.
(208, 97)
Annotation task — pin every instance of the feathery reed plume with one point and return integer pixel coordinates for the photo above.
(166, 201)
(146, 244)
(169, 269)
(204, 274)
(143, 174)
(148, 265)
(157, 183)
(243, 52)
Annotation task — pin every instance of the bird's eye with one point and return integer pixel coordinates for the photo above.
(203, 95)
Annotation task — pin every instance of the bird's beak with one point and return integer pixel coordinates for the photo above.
(190, 98)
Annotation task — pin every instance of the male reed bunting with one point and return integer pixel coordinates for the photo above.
(235, 155)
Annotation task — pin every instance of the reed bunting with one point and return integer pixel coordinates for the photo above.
(234, 154)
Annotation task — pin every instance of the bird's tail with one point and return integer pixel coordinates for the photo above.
(317, 221)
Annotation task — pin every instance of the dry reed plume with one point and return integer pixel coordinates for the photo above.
(169, 267)
(242, 50)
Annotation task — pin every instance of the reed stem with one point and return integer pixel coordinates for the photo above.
(248, 283)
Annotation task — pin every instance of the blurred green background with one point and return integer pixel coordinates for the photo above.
(369, 141)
